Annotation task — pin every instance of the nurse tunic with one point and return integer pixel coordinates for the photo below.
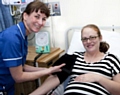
(13, 51)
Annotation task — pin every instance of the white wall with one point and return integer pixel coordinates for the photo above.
(80, 13)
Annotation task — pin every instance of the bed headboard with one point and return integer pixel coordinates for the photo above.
(110, 34)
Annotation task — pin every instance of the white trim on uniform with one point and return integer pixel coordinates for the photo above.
(20, 31)
(12, 59)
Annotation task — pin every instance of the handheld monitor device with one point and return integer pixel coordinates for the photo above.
(42, 41)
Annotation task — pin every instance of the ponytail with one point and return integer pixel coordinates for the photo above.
(104, 47)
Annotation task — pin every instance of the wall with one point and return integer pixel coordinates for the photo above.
(80, 13)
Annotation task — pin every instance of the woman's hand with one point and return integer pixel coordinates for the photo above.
(89, 77)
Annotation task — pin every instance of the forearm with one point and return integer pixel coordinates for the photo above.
(112, 86)
(29, 76)
(50, 83)
(29, 68)
(20, 76)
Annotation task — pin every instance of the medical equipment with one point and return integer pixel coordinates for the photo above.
(37, 81)
(16, 7)
(42, 41)
(16, 2)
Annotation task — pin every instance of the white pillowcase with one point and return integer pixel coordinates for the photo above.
(76, 43)
(112, 38)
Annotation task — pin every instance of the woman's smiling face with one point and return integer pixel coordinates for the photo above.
(90, 39)
(34, 22)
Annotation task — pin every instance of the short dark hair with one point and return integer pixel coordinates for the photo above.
(36, 6)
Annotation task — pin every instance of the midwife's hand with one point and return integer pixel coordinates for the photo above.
(89, 77)
(55, 68)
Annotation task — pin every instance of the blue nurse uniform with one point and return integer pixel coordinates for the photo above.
(13, 51)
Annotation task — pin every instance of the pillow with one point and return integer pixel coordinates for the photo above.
(76, 43)
(112, 38)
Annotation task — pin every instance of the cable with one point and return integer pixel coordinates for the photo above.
(34, 63)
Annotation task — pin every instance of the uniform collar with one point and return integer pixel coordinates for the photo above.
(22, 29)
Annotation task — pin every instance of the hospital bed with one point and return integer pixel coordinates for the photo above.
(111, 34)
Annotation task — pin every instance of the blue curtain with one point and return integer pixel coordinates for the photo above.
(6, 19)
